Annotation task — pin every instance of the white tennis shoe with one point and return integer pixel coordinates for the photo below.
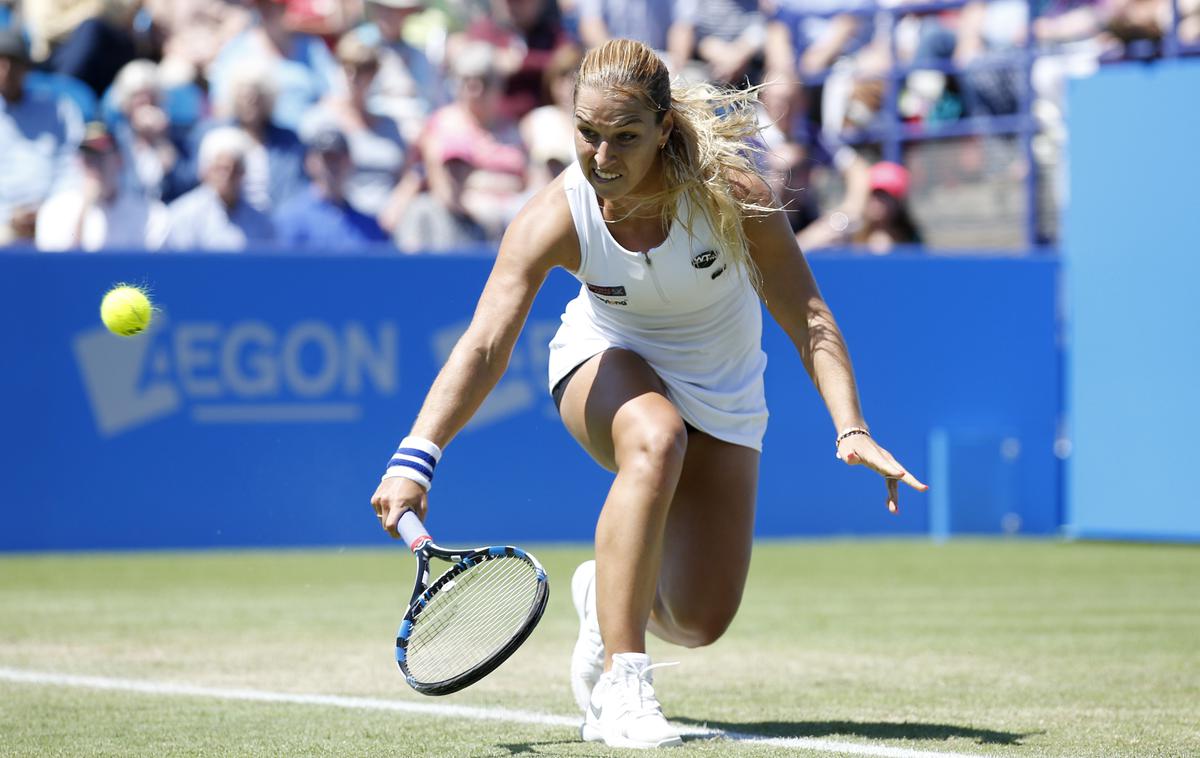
(624, 711)
(587, 660)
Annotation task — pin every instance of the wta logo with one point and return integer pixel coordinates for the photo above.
(243, 372)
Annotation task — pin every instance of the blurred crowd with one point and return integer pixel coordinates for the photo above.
(423, 125)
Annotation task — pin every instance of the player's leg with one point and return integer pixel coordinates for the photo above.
(616, 407)
(709, 532)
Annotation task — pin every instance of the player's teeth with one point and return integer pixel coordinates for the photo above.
(605, 175)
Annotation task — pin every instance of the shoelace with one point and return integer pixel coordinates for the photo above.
(646, 704)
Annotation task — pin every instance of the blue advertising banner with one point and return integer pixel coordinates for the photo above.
(263, 404)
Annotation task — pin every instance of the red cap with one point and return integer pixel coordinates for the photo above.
(892, 178)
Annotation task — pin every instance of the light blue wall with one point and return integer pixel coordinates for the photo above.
(1132, 257)
(264, 406)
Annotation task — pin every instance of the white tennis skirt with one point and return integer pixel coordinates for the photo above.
(715, 389)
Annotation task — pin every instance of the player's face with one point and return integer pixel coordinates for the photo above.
(618, 142)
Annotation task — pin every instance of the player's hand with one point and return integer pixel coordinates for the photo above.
(393, 497)
(861, 450)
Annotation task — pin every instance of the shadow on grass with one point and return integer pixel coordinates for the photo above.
(877, 730)
(534, 748)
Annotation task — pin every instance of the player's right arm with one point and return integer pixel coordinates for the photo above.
(541, 237)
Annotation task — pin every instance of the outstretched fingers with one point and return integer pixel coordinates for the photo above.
(866, 452)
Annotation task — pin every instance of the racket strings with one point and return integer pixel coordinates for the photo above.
(475, 618)
(505, 586)
(471, 619)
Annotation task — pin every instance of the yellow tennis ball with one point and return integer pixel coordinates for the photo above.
(126, 310)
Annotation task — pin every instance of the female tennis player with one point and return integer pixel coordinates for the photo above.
(657, 368)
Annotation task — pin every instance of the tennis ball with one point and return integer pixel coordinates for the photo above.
(126, 310)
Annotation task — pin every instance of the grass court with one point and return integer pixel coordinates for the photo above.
(903, 649)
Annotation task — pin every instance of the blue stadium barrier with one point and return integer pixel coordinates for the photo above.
(1131, 237)
(264, 404)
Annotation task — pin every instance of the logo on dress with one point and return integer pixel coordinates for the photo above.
(705, 259)
(617, 291)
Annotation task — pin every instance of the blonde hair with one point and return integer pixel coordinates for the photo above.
(712, 144)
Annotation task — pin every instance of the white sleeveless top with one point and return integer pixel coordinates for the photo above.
(683, 307)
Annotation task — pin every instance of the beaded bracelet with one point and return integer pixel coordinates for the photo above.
(849, 433)
(415, 459)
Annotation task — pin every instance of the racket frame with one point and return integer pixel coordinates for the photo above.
(413, 532)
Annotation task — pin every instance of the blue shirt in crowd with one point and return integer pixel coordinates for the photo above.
(199, 220)
(39, 139)
(311, 221)
(283, 173)
(644, 20)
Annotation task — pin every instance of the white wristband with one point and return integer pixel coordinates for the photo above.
(395, 472)
(415, 459)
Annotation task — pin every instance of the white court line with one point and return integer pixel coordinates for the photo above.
(440, 710)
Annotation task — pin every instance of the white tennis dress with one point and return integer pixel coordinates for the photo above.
(684, 307)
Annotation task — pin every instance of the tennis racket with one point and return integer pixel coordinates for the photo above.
(467, 622)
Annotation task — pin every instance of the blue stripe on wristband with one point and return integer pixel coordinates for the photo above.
(415, 453)
(424, 470)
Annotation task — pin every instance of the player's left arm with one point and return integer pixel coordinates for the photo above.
(795, 302)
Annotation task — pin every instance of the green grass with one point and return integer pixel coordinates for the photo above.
(1004, 648)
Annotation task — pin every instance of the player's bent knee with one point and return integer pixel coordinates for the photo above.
(703, 626)
(658, 442)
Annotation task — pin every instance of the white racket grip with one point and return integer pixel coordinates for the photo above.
(412, 531)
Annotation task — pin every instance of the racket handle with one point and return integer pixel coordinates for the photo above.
(412, 531)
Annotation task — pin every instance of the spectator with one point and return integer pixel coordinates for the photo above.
(274, 164)
(39, 136)
(100, 213)
(1070, 38)
(298, 66)
(874, 212)
(192, 33)
(86, 39)
(154, 158)
(853, 93)
(214, 216)
(988, 33)
(408, 87)
(474, 118)
(798, 51)
(377, 150)
(321, 217)
(1137, 25)
(321, 18)
(647, 21)
(549, 131)
(1189, 22)
(440, 220)
(525, 34)
(724, 37)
